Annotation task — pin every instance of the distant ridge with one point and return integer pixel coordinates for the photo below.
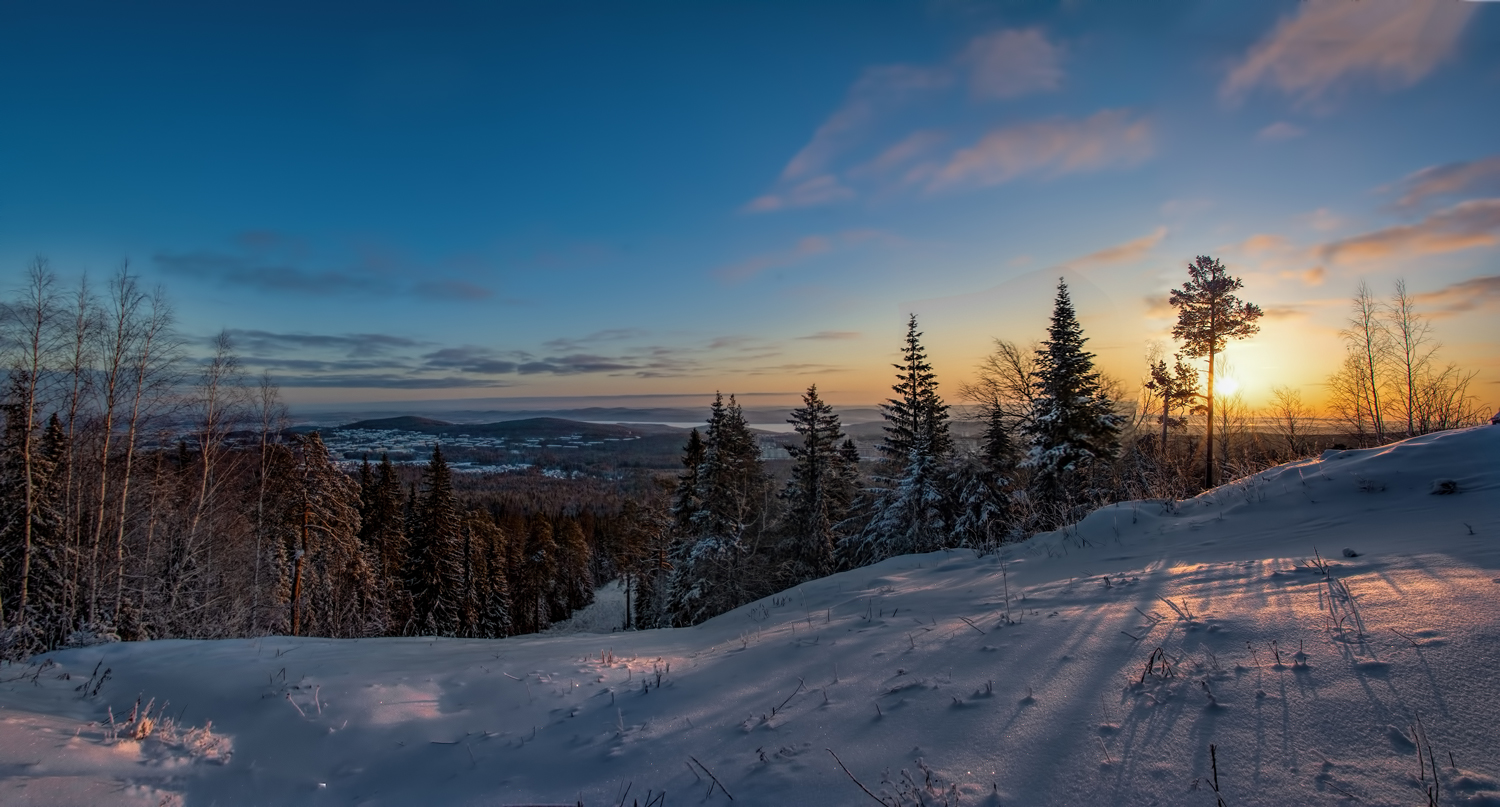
(542, 428)
(410, 423)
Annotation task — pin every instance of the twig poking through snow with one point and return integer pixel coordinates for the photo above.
(711, 776)
(878, 800)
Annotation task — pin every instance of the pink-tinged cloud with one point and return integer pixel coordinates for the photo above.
(832, 335)
(805, 248)
(1328, 43)
(820, 190)
(1262, 243)
(1012, 63)
(910, 148)
(1127, 252)
(1280, 130)
(1452, 179)
(1468, 295)
(878, 91)
(1108, 139)
(1467, 225)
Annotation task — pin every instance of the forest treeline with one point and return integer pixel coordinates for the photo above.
(146, 493)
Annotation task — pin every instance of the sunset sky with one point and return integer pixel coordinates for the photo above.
(387, 201)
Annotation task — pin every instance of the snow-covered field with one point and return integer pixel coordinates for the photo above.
(1134, 642)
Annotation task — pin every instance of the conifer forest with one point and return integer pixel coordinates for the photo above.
(150, 489)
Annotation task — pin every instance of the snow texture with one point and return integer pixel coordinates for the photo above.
(1134, 641)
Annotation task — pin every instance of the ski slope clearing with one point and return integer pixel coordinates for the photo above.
(1127, 646)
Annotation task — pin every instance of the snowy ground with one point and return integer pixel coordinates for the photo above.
(1307, 679)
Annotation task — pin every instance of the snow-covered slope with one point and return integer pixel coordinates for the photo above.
(1306, 678)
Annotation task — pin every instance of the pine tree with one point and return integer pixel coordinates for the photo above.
(1178, 388)
(383, 533)
(686, 500)
(331, 577)
(1074, 425)
(494, 589)
(575, 584)
(435, 574)
(1208, 316)
(534, 586)
(707, 576)
(984, 512)
(909, 513)
(817, 495)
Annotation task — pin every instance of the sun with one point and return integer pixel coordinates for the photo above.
(1226, 385)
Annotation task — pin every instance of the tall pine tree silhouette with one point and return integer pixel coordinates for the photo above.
(1208, 316)
(1074, 424)
(435, 574)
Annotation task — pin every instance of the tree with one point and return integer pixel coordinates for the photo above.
(434, 572)
(984, 514)
(1004, 383)
(816, 495)
(708, 564)
(1074, 423)
(1289, 419)
(1367, 340)
(1208, 316)
(908, 512)
(331, 579)
(916, 414)
(1177, 387)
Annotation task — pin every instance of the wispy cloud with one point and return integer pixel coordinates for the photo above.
(1450, 179)
(1012, 63)
(1127, 252)
(805, 248)
(1280, 130)
(998, 65)
(878, 91)
(1112, 138)
(832, 335)
(1474, 294)
(268, 261)
(1466, 225)
(1328, 43)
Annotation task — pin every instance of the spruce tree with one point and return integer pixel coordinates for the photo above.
(435, 574)
(331, 580)
(909, 511)
(817, 495)
(533, 590)
(1074, 423)
(707, 576)
(575, 583)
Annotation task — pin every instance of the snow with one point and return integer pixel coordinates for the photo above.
(1307, 684)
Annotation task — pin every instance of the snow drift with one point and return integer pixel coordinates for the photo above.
(1327, 627)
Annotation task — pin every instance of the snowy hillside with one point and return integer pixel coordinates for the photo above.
(1134, 642)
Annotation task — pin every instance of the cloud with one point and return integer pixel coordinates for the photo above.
(354, 345)
(906, 150)
(1467, 295)
(998, 65)
(268, 261)
(608, 335)
(1107, 139)
(1261, 243)
(878, 90)
(1280, 130)
(1450, 179)
(1007, 64)
(1121, 253)
(387, 381)
(832, 335)
(1323, 220)
(1465, 225)
(819, 190)
(1328, 43)
(806, 247)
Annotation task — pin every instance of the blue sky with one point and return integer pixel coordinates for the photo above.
(387, 201)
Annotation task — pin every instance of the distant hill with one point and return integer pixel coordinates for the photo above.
(528, 428)
(409, 423)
